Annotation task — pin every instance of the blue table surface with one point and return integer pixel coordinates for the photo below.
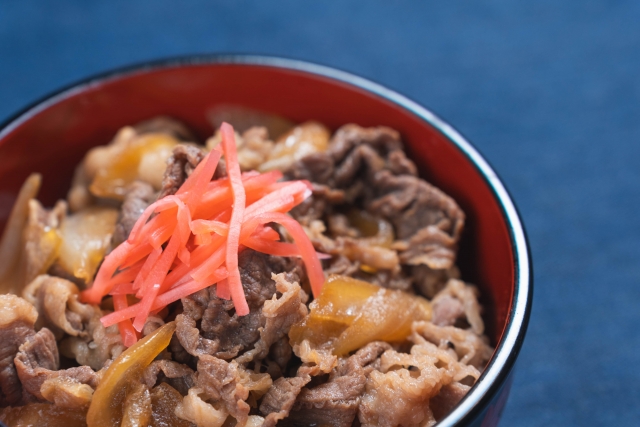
(549, 91)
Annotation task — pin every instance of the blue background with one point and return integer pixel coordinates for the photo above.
(548, 91)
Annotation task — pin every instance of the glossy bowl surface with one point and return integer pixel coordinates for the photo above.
(52, 136)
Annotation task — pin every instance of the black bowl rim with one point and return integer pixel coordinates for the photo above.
(501, 365)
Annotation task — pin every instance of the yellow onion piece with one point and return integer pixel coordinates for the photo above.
(43, 415)
(143, 158)
(375, 231)
(350, 313)
(11, 240)
(85, 238)
(106, 409)
(301, 141)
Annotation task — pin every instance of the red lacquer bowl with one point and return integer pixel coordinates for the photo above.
(52, 136)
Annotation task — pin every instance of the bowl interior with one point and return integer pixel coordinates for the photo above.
(53, 137)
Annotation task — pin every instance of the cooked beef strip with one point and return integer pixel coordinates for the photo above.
(56, 300)
(178, 376)
(254, 146)
(470, 348)
(335, 403)
(96, 345)
(429, 282)
(446, 311)
(367, 167)
(17, 318)
(36, 365)
(67, 391)
(281, 353)
(444, 402)
(280, 398)
(230, 384)
(467, 296)
(168, 125)
(222, 332)
(139, 196)
(278, 315)
(37, 357)
(180, 165)
(219, 380)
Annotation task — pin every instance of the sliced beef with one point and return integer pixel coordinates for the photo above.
(398, 393)
(222, 332)
(470, 348)
(17, 318)
(96, 344)
(72, 388)
(280, 354)
(67, 388)
(37, 364)
(177, 375)
(37, 357)
(467, 297)
(138, 197)
(180, 165)
(168, 125)
(336, 402)
(56, 300)
(446, 311)
(280, 398)
(367, 168)
(230, 384)
(402, 388)
(278, 314)
(318, 168)
(444, 402)
(429, 282)
(254, 146)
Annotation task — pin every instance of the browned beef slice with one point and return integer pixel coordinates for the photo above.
(447, 399)
(387, 279)
(222, 332)
(372, 170)
(278, 315)
(180, 165)
(221, 381)
(177, 375)
(36, 359)
(168, 125)
(139, 196)
(446, 311)
(315, 207)
(17, 318)
(37, 363)
(317, 167)
(335, 403)
(281, 352)
(383, 139)
(280, 398)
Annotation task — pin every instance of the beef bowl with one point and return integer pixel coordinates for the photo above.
(454, 255)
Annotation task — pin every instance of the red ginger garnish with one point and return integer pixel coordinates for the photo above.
(189, 241)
